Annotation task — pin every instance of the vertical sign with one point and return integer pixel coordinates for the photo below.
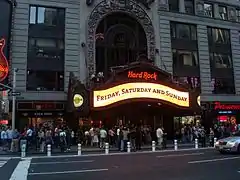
(5, 33)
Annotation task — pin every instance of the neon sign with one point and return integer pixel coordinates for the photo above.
(142, 75)
(102, 98)
(4, 68)
(219, 106)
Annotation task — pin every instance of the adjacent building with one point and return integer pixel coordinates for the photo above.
(197, 41)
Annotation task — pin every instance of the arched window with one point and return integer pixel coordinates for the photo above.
(120, 40)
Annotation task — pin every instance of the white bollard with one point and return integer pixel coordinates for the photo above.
(49, 150)
(23, 151)
(128, 147)
(175, 145)
(214, 141)
(196, 143)
(79, 149)
(153, 146)
(106, 148)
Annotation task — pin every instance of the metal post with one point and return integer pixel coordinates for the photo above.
(14, 98)
(106, 148)
(214, 142)
(23, 151)
(175, 145)
(196, 143)
(128, 147)
(79, 150)
(153, 146)
(48, 150)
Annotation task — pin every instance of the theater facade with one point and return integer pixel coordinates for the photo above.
(139, 93)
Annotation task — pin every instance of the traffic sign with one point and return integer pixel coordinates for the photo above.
(14, 93)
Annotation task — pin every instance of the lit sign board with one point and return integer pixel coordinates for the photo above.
(102, 98)
(3, 62)
(219, 106)
(142, 75)
(77, 100)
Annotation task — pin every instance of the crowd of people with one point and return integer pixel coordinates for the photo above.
(62, 137)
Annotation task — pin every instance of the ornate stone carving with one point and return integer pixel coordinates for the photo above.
(106, 7)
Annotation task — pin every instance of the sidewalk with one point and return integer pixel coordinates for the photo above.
(94, 149)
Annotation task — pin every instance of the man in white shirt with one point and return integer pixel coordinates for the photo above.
(4, 139)
(159, 134)
(103, 136)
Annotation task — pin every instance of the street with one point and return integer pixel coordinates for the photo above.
(7, 166)
(179, 165)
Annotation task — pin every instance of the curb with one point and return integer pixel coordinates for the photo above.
(117, 154)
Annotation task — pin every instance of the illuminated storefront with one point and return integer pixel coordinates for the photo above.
(137, 94)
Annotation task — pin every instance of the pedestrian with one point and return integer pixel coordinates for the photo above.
(159, 134)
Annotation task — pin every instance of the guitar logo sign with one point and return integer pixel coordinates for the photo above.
(4, 68)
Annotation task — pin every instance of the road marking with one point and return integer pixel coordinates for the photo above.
(62, 162)
(67, 172)
(2, 163)
(180, 155)
(21, 171)
(213, 160)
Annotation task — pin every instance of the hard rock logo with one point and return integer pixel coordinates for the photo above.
(4, 68)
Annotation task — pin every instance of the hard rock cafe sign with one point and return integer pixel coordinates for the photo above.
(145, 3)
(4, 68)
(142, 75)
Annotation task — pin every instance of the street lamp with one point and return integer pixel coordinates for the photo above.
(15, 70)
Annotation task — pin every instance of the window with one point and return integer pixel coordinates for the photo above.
(208, 10)
(185, 58)
(191, 82)
(221, 60)
(223, 86)
(46, 16)
(239, 37)
(173, 5)
(45, 81)
(223, 12)
(238, 15)
(219, 36)
(189, 6)
(183, 31)
(46, 47)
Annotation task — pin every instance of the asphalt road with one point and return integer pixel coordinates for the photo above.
(7, 166)
(180, 165)
(185, 165)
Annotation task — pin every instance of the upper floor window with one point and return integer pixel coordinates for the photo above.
(223, 14)
(208, 10)
(221, 60)
(185, 58)
(46, 47)
(47, 16)
(183, 31)
(191, 82)
(45, 80)
(238, 15)
(173, 5)
(189, 6)
(223, 85)
(218, 36)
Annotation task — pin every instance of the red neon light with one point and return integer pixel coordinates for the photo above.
(219, 106)
(4, 68)
(142, 75)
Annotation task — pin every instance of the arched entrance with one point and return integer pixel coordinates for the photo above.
(120, 40)
(104, 9)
